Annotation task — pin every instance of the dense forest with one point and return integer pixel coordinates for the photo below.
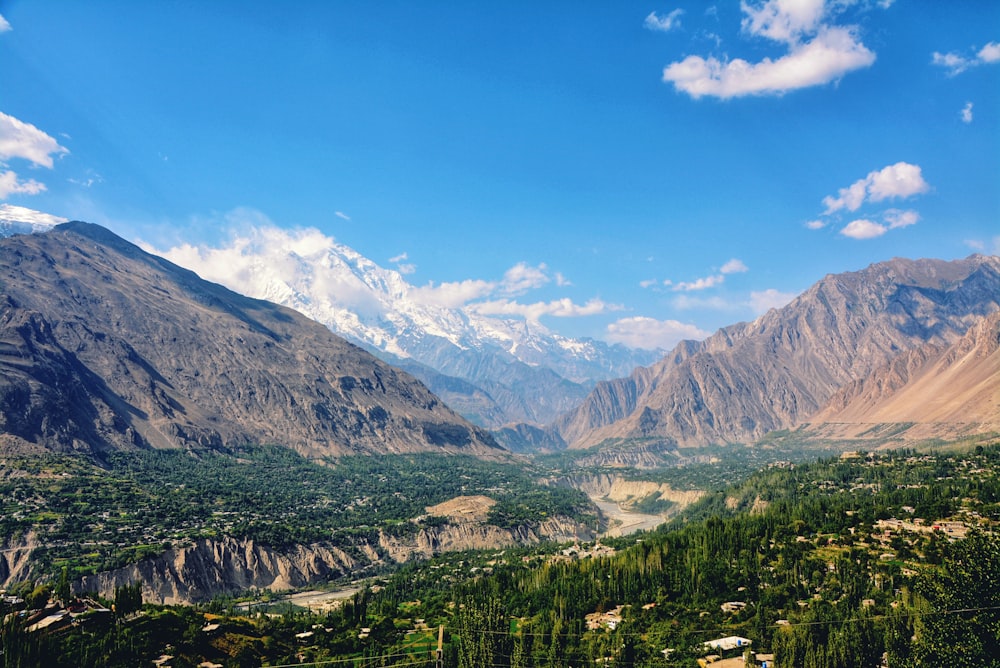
(877, 559)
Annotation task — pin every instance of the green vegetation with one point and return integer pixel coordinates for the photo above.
(827, 565)
(92, 519)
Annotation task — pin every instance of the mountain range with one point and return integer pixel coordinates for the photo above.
(837, 342)
(105, 346)
(491, 369)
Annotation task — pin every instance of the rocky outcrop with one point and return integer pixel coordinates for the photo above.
(775, 372)
(475, 536)
(104, 346)
(15, 558)
(212, 567)
(626, 493)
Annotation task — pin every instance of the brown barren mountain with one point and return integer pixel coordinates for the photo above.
(104, 346)
(930, 392)
(777, 371)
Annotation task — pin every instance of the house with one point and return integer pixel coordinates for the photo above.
(733, 606)
(764, 660)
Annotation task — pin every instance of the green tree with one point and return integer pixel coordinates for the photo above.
(962, 624)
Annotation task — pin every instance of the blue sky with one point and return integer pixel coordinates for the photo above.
(641, 171)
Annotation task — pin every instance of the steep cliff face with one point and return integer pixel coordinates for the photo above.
(227, 565)
(210, 568)
(104, 346)
(15, 558)
(752, 378)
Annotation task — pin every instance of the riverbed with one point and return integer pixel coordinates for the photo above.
(623, 522)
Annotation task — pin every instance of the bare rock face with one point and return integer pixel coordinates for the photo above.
(213, 567)
(933, 391)
(222, 566)
(104, 346)
(751, 378)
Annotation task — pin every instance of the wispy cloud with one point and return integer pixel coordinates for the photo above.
(956, 63)
(10, 184)
(666, 23)
(699, 283)
(966, 113)
(650, 333)
(818, 53)
(452, 294)
(341, 214)
(765, 300)
(4, 25)
(816, 224)
(402, 266)
(734, 266)
(558, 308)
(897, 181)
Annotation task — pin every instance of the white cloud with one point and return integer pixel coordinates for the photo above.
(897, 218)
(648, 283)
(341, 214)
(650, 334)
(699, 284)
(23, 140)
(4, 25)
(990, 53)
(453, 294)
(956, 63)
(816, 224)
(265, 261)
(863, 229)
(558, 308)
(22, 214)
(11, 185)
(562, 281)
(402, 266)
(783, 20)
(895, 181)
(765, 300)
(966, 113)
(734, 266)
(818, 53)
(521, 277)
(663, 23)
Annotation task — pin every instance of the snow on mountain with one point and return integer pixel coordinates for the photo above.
(531, 372)
(22, 220)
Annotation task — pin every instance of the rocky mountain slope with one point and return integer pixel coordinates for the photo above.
(103, 345)
(777, 371)
(513, 370)
(933, 391)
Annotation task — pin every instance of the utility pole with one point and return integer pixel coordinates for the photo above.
(440, 650)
